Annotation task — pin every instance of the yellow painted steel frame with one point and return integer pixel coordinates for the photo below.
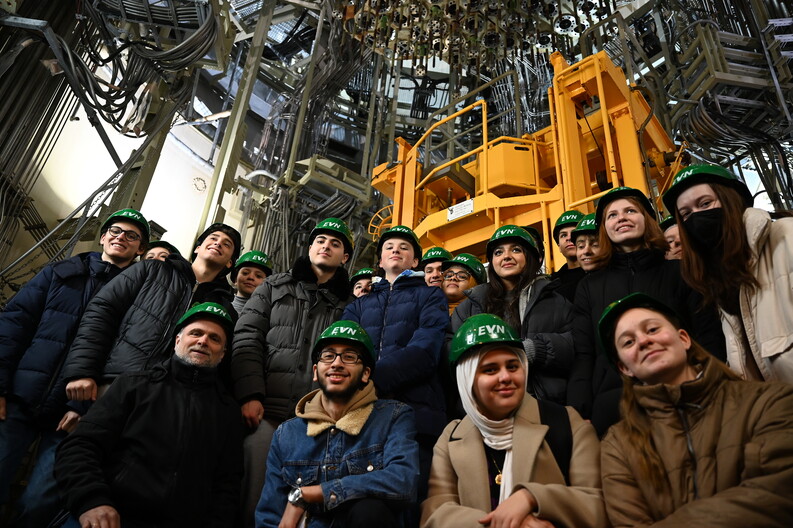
(597, 122)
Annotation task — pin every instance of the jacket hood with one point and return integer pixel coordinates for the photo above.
(338, 285)
(405, 279)
(758, 227)
(355, 415)
(181, 265)
(90, 261)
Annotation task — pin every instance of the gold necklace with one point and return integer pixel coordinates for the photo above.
(498, 478)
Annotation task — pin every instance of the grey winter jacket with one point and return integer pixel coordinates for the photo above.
(273, 338)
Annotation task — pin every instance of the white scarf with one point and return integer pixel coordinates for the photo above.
(497, 434)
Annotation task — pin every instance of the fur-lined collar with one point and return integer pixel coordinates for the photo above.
(355, 415)
(338, 285)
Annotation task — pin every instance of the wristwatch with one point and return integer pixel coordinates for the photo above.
(295, 498)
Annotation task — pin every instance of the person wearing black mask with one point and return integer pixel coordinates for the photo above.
(631, 259)
(740, 259)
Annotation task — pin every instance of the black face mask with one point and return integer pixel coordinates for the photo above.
(705, 228)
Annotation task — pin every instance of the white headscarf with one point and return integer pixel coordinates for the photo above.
(497, 434)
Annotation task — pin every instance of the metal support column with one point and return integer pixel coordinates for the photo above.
(226, 166)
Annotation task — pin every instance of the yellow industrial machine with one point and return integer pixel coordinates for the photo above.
(603, 134)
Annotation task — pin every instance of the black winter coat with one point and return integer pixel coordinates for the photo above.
(163, 447)
(275, 333)
(37, 328)
(568, 280)
(546, 331)
(595, 386)
(129, 325)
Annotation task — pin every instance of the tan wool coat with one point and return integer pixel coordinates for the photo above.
(727, 452)
(459, 494)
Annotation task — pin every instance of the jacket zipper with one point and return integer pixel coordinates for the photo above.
(690, 446)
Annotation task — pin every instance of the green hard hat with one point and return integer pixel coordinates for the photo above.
(469, 262)
(163, 244)
(256, 259)
(481, 329)
(667, 222)
(363, 273)
(209, 310)
(537, 236)
(129, 215)
(622, 192)
(335, 227)
(402, 232)
(511, 231)
(346, 331)
(434, 254)
(585, 226)
(694, 174)
(612, 313)
(568, 218)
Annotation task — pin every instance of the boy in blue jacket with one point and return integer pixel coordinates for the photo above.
(407, 321)
(36, 330)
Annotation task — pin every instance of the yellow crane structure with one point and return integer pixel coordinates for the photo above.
(603, 134)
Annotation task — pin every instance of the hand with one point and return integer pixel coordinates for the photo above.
(535, 522)
(512, 512)
(101, 517)
(291, 517)
(2, 408)
(252, 413)
(68, 422)
(81, 390)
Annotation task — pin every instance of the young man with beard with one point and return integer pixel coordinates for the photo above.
(161, 447)
(271, 364)
(36, 330)
(128, 325)
(365, 446)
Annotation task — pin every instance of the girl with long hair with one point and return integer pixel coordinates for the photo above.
(631, 259)
(503, 465)
(525, 299)
(696, 446)
(741, 260)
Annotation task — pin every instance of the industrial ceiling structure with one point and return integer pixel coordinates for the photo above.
(307, 97)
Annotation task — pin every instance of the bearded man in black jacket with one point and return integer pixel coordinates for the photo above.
(161, 448)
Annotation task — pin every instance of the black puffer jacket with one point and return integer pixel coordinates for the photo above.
(595, 387)
(275, 333)
(163, 447)
(546, 330)
(128, 326)
(37, 328)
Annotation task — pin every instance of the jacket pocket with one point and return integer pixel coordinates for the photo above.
(365, 460)
(300, 473)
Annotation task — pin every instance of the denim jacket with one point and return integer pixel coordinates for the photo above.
(381, 461)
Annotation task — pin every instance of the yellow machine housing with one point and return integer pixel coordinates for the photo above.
(603, 134)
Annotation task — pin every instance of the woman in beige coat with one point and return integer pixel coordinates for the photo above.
(496, 467)
(696, 445)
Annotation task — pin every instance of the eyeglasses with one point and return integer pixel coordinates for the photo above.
(130, 235)
(458, 275)
(348, 358)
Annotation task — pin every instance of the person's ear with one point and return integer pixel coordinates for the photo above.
(685, 338)
(367, 372)
(623, 369)
(345, 258)
(315, 374)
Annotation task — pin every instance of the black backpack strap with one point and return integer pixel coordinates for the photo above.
(560, 434)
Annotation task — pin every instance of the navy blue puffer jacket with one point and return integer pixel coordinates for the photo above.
(37, 328)
(407, 324)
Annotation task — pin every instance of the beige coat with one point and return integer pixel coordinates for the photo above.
(459, 494)
(737, 455)
(764, 330)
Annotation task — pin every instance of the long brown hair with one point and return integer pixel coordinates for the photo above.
(505, 303)
(637, 422)
(653, 236)
(718, 276)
